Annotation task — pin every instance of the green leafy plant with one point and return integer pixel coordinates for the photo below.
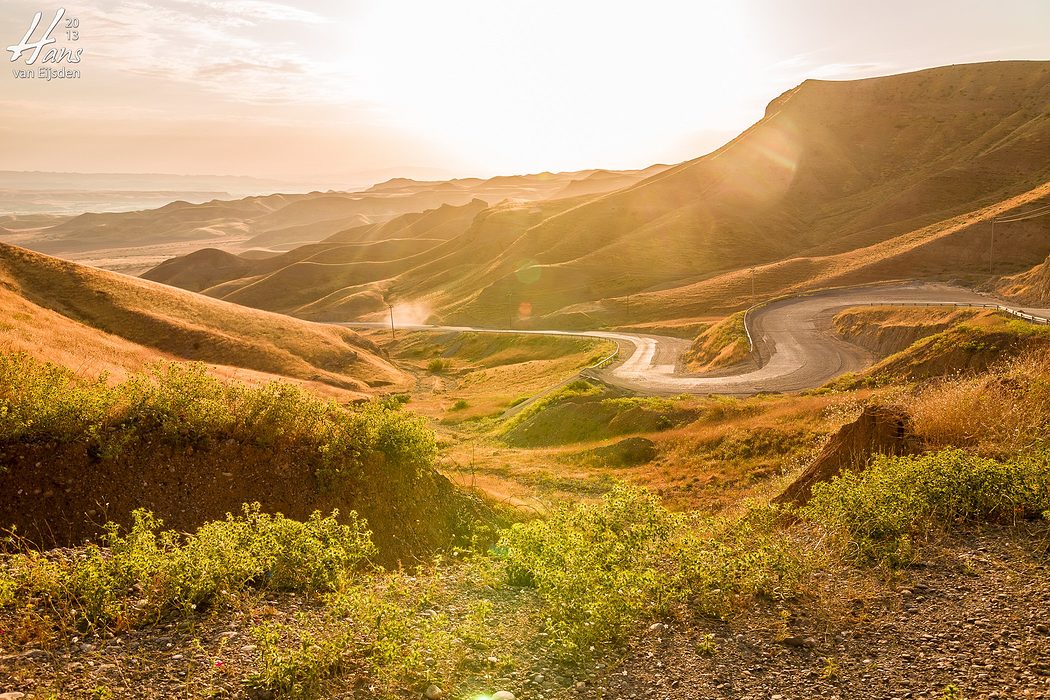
(148, 573)
(882, 509)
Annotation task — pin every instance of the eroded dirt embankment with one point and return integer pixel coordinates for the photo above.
(887, 330)
(61, 494)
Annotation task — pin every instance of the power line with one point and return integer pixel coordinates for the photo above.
(1035, 213)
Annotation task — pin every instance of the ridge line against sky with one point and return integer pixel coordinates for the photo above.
(330, 91)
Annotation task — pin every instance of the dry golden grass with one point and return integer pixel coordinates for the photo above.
(885, 330)
(723, 344)
(91, 319)
(1000, 413)
(1029, 287)
(737, 449)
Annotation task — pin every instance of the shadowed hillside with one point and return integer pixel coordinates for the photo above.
(840, 182)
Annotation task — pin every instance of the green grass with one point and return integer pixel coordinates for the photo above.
(582, 412)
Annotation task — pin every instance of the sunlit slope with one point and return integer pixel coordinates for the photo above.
(840, 182)
(833, 167)
(955, 249)
(1029, 287)
(92, 318)
(349, 264)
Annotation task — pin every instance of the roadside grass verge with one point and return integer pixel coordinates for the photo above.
(721, 345)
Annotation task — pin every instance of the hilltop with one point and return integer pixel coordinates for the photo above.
(839, 183)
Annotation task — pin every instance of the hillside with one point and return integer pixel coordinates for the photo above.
(1029, 287)
(840, 182)
(93, 320)
(134, 241)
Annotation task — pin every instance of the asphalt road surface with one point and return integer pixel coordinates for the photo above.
(793, 339)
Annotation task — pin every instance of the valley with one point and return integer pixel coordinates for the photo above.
(768, 423)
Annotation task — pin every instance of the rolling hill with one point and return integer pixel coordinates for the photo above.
(840, 182)
(97, 321)
(135, 241)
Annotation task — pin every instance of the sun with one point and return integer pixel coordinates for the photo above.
(545, 85)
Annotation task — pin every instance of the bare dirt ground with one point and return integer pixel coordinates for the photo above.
(973, 614)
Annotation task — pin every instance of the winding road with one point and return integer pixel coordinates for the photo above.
(792, 340)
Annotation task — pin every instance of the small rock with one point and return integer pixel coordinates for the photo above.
(433, 692)
(14, 695)
(1042, 629)
(803, 642)
(503, 695)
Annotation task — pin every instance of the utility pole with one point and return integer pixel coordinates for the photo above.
(391, 309)
(991, 251)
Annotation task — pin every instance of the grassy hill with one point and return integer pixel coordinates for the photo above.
(95, 320)
(136, 241)
(840, 182)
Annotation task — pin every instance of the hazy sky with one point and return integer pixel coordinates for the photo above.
(333, 91)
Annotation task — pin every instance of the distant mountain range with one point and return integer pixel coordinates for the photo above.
(137, 240)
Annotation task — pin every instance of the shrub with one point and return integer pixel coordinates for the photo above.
(602, 567)
(42, 401)
(599, 567)
(184, 405)
(438, 366)
(149, 573)
(404, 631)
(883, 508)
